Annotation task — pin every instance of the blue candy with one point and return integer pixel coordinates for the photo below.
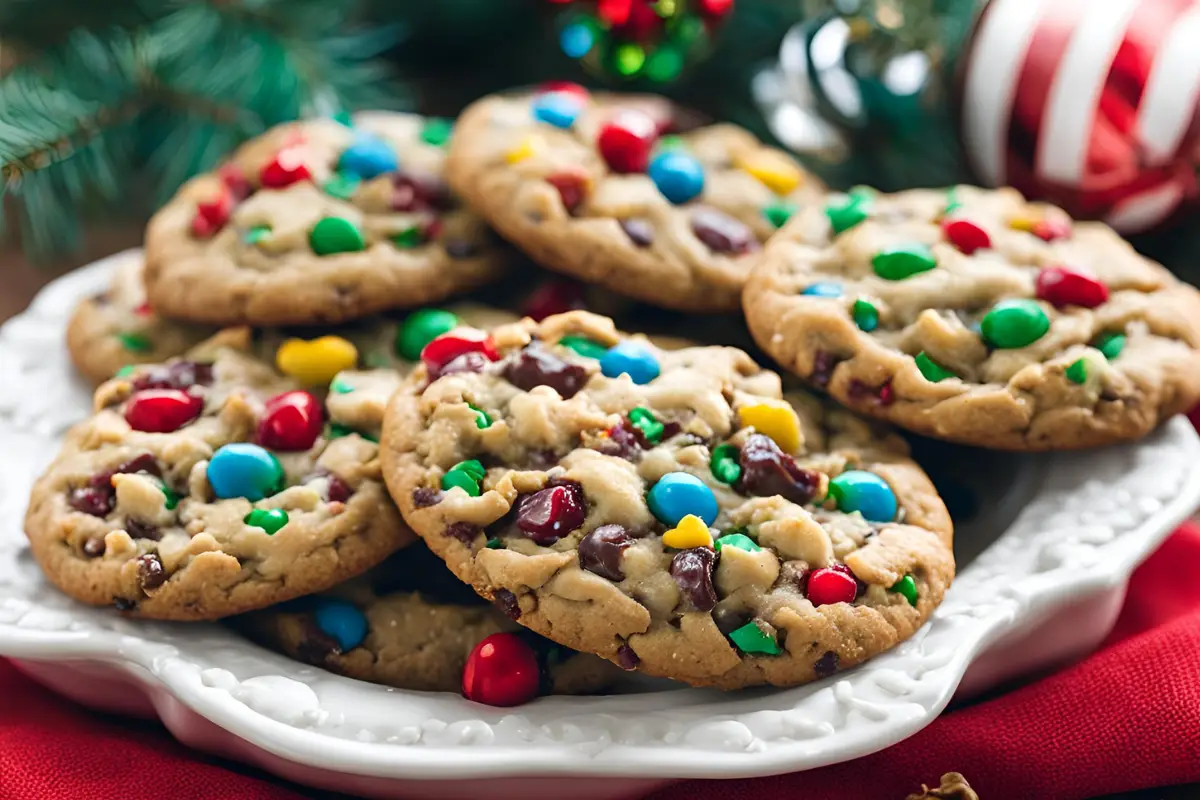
(244, 470)
(824, 289)
(556, 108)
(342, 622)
(866, 493)
(632, 359)
(576, 39)
(678, 175)
(368, 157)
(678, 494)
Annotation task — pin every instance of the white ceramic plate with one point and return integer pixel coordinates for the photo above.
(1042, 590)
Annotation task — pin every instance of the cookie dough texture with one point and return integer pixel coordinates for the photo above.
(199, 559)
(422, 624)
(278, 279)
(629, 606)
(675, 269)
(1018, 399)
(117, 327)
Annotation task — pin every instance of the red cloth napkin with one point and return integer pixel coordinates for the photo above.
(1126, 718)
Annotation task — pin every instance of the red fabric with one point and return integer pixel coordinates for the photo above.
(1128, 717)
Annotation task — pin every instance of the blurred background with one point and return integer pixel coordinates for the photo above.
(106, 108)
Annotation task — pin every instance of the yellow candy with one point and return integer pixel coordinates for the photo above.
(315, 363)
(526, 148)
(690, 532)
(774, 170)
(777, 421)
(1026, 224)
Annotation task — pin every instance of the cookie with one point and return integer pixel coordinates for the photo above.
(974, 316)
(610, 189)
(117, 327)
(666, 510)
(205, 488)
(411, 624)
(317, 222)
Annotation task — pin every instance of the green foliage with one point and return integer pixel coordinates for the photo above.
(108, 108)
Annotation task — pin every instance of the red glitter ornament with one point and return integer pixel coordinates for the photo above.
(292, 422)
(162, 410)
(501, 671)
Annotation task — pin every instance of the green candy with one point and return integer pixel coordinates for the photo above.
(752, 639)
(907, 587)
(932, 370)
(336, 235)
(344, 118)
(724, 463)
(269, 519)
(739, 540)
(845, 215)
(779, 213)
(644, 421)
(903, 261)
(409, 238)
(482, 420)
(436, 131)
(472, 467)
(466, 475)
(420, 328)
(670, 142)
(584, 346)
(125, 371)
(1110, 344)
(256, 234)
(494, 544)
(337, 430)
(339, 386)
(1077, 372)
(866, 316)
(170, 499)
(342, 185)
(1014, 323)
(952, 203)
(135, 342)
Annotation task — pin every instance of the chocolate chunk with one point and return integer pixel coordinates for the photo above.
(767, 470)
(721, 232)
(316, 646)
(465, 532)
(601, 551)
(623, 441)
(692, 570)
(551, 513)
(626, 658)
(336, 489)
(460, 248)
(151, 573)
(826, 665)
(94, 547)
(426, 496)
(823, 365)
(729, 620)
(639, 230)
(507, 602)
(535, 366)
(138, 529)
(92, 500)
(176, 375)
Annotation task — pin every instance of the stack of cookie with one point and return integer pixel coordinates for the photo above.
(352, 492)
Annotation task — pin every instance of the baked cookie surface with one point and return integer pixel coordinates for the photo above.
(975, 316)
(600, 187)
(118, 327)
(666, 510)
(317, 222)
(411, 624)
(209, 486)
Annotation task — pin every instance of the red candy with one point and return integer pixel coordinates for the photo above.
(162, 410)
(572, 187)
(626, 139)
(1064, 286)
(501, 671)
(831, 585)
(449, 346)
(235, 181)
(1051, 229)
(143, 310)
(286, 168)
(553, 297)
(292, 422)
(965, 235)
(212, 215)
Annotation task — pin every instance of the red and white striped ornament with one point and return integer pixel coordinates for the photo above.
(1091, 104)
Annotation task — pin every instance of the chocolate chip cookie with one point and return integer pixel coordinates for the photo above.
(318, 222)
(974, 316)
(411, 624)
(118, 327)
(208, 486)
(615, 190)
(666, 510)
